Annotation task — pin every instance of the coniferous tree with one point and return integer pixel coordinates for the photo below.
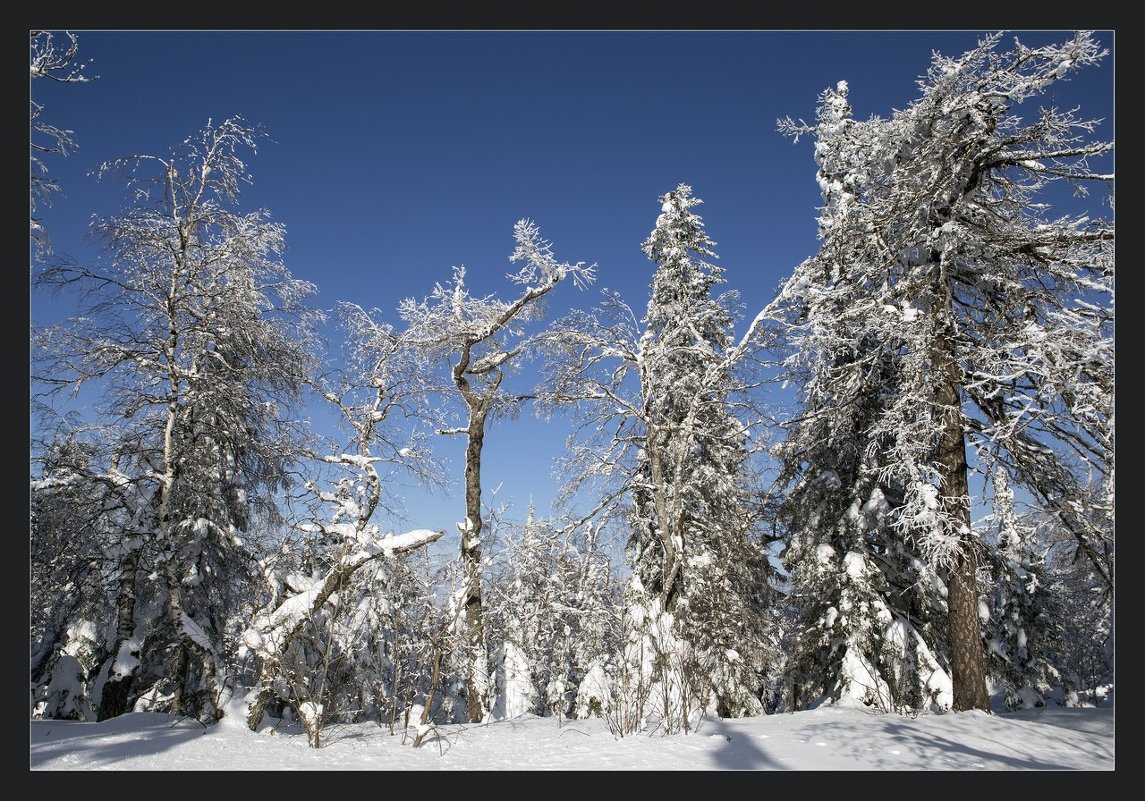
(660, 442)
(693, 557)
(550, 611)
(76, 519)
(940, 258)
(863, 611)
(1085, 627)
(1024, 630)
(524, 608)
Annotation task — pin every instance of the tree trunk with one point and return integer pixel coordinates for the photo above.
(423, 726)
(116, 691)
(967, 657)
(178, 674)
(477, 679)
(967, 663)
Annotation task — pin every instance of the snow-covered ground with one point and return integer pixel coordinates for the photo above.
(826, 739)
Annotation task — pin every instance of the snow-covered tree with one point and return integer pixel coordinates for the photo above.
(301, 607)
(1024, 630)
(863, 610)
(520, 614)
(323, 667)
(1085, 660)
(195, 339)
(659, 397)
(480, 337)
(47, 60)
(551, 603)
(690, 543)
(75, 516)
(956, 317)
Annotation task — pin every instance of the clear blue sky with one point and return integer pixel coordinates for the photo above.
(399, 154)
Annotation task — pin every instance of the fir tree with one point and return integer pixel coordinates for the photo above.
(693, 560)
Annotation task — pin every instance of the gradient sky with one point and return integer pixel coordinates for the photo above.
(399, 154)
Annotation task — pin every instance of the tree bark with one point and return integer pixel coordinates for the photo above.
(477, 680)
(967, 657)
(423, 721)
(113, 700)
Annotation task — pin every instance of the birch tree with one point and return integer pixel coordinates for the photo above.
(311, 637)
(277, 627)
(196, 339)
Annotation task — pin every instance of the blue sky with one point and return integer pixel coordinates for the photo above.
(397, 155)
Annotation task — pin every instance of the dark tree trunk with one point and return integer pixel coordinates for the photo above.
(115, 697)
(471, 565)
(967, 657)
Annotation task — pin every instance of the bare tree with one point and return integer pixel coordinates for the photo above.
(273, 630)
(480, 336)
(377, 395)
(48, 60)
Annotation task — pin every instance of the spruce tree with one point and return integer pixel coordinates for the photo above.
(696, 571)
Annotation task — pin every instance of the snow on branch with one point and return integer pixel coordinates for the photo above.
(270, 632)
(540, 263)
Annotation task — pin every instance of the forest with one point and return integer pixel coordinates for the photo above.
(931, 528)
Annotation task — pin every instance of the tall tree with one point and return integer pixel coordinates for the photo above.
(659, 397)
(864, 615)
(692, 554)
(196, 338)
(479, 336)
(941, 262)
